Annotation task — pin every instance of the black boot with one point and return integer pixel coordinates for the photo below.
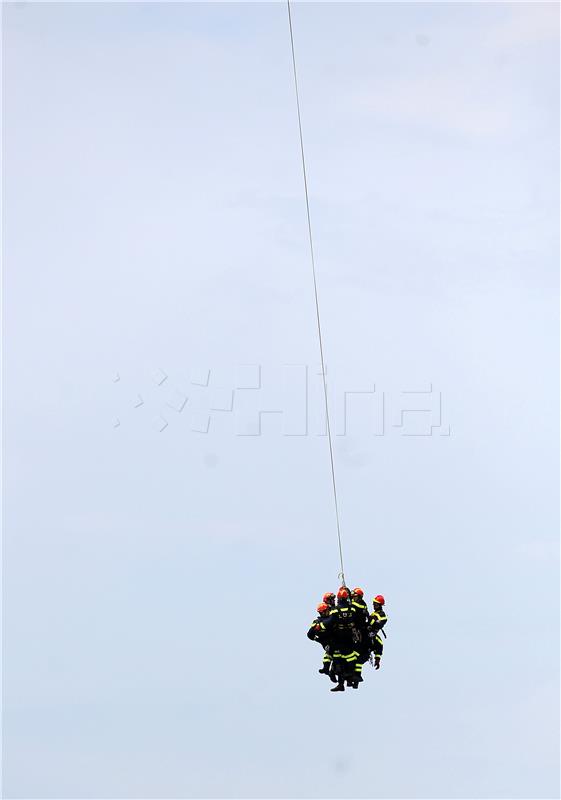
(324, 670)
(339, 688)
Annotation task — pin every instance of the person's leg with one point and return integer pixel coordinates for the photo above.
(350, 663)
(338, 669)
(358, 670)
(326, 665)
(377, 650)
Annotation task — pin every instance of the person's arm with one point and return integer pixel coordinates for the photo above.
(313, 631)
(374, 624)
(382, 619)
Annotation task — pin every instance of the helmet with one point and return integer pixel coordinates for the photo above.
(329, 598)
(323, 608)
(358, 592)
(379, 599)
(343, 593)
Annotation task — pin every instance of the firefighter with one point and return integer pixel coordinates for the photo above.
(341, 625)
(378, 619)
(362, 627)
(318, 633)
(329, 598)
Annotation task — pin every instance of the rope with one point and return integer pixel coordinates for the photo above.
(304, 173)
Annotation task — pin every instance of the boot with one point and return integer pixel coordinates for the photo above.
(377, 662)
(324, 670)
(339, 688)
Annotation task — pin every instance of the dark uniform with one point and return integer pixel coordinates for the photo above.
(378, 619)
(363, 630)
(342, 627)
(318, 633)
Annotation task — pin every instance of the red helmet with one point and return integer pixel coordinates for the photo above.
(379, 599)
(358, 592)
(323, 608)
(343, 593)
(329, 598)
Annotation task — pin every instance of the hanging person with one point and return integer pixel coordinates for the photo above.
(363, 628)
(318, 633)
(378, 619)
(341, 624)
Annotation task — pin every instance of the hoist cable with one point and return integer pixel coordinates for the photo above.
(310, 237)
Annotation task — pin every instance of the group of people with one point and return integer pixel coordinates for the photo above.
(349, 635)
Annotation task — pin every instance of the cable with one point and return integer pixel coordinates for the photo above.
(342, 574)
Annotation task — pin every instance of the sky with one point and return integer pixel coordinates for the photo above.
(168, 522)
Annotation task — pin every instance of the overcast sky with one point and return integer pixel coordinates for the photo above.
(162, 561)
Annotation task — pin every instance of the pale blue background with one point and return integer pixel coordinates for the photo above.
(157, 587)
